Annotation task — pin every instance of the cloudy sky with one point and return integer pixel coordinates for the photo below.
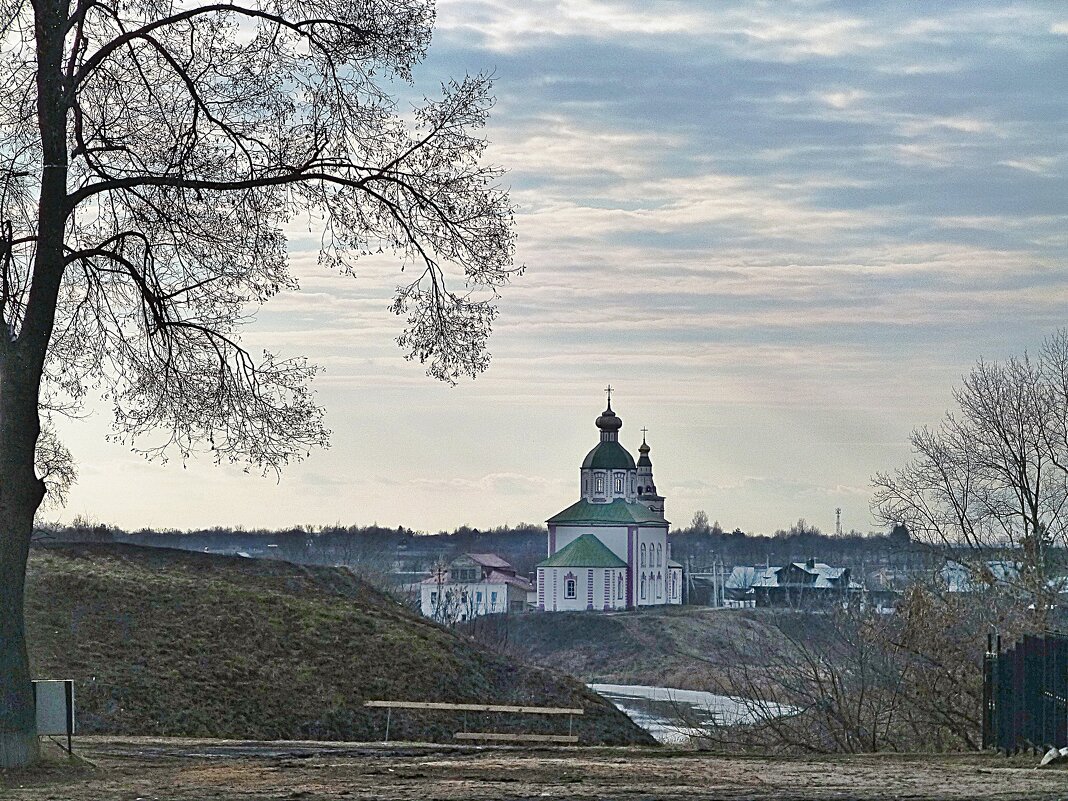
(781, 230)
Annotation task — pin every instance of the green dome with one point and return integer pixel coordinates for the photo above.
(608, 456)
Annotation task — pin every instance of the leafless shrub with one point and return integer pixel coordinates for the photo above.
(854, 681)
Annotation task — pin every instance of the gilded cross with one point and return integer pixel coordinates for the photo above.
(608, 389)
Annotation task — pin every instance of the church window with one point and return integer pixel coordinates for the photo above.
(643, 554)
(674, 585)
(599, 481)
(659, 555)
(643, 587)
(569, 588)
(659, 586)
(585, 485)
(619, 484)
(619, 585)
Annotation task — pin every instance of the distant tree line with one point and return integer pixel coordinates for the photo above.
(405, 553)
(702, 544)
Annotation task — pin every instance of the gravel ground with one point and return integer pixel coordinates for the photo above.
(222, 770)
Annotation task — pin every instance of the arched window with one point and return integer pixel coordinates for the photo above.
(585, 485)
(659, 555)
(599, 481)
(569, 588)
(620, 587)
(659, 586)
(674, 584)
(619, 483)
(643, 586)
(643, 554)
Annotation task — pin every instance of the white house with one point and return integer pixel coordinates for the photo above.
(609, 550)
(473, 584)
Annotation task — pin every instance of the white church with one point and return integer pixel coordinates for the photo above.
(609, 550)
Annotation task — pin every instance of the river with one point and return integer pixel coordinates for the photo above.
(676, 716)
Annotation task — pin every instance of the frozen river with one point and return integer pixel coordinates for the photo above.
(675, 716)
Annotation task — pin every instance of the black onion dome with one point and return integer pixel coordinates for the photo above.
(609, 421)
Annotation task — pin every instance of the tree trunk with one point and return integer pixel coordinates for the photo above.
(18, 729)
(21, 366)
(21, 493)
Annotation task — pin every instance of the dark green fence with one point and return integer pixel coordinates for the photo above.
(1025, 694)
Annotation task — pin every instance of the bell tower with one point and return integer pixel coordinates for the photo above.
(647, 493)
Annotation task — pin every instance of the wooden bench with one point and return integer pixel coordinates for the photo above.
(488, 736)
(499, 736)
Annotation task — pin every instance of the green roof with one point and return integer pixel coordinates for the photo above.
(618, 512)
(608, 456)
(584, 551)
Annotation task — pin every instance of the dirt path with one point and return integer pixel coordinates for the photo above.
(216, 770)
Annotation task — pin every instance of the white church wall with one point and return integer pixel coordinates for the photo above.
(573, 589)
(650, 567)
(614, 537)
(674, 593)
(655, 568)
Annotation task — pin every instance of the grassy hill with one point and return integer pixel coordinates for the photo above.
(163, 642)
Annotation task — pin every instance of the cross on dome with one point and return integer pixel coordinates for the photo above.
(608, 389)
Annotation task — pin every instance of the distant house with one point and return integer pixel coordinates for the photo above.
(473, 584)
(959, 577)
(884, 588)
(808, 583)
(738, 588)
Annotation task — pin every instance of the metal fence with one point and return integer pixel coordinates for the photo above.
(1025, 694)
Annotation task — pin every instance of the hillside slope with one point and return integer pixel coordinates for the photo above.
(686, 647)
(163, 642)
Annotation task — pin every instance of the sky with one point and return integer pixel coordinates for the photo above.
(782, 231)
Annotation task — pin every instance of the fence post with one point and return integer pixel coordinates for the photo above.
(989, 696)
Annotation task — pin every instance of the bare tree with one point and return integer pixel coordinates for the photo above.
(451, 602)
(854, 681)
(828, 687)
(150, 156)
(55, 467)
(699, 523)
(991, 482)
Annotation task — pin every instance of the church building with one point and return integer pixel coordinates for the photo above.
(609, 550)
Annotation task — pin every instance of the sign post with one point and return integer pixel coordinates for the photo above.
(54, 699)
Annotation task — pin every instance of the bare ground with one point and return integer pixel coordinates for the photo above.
(227, 770)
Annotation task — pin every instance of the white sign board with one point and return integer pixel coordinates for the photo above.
(55, 706)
